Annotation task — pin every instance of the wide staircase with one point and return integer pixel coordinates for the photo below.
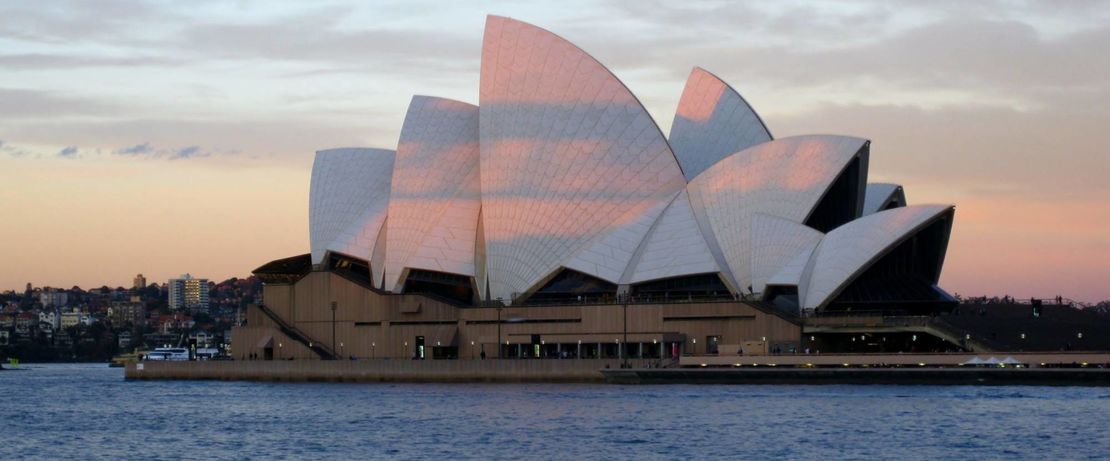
(325, 352)
(878, 323)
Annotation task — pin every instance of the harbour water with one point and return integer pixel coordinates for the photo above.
(83, 411)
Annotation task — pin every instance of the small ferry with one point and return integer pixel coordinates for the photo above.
(173, 354)
(122, 360)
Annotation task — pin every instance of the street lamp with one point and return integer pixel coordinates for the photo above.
(625, 324)
(373, 346)
(500, 353)
(334, 305)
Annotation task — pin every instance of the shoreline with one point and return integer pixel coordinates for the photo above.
(601, 371)
(866, 376)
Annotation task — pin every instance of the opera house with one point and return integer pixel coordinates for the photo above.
(555, 219)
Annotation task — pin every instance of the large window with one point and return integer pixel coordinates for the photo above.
(570, 286)
(450, 287)
(841, 202)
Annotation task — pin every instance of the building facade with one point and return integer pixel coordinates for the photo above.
(128, 312)
(53, 298)
(188, 293)
(558, 191)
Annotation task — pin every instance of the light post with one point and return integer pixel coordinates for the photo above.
(406, 348)
(500, 352)
(373, 352)
(341, 349)
(334, 305)
(279, 351)
(624, 357)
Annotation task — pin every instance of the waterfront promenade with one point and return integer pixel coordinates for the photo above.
(1057, 368)
(380, 370)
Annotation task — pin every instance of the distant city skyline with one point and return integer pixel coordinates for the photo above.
(118, 114)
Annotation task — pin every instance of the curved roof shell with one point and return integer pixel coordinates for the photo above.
(712, 122)
(850, 249)
(568, 155)
(784, 178)
(348, 201)
(775, 243)
(880, 196)
(674, 247)
(436, 193)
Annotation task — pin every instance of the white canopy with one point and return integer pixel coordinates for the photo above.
(974, 361)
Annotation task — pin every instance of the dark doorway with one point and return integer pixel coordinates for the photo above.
(842, 201)
(450, 287)
(711, 344)
(268, 353)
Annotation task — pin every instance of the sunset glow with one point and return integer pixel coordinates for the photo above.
(144, 138)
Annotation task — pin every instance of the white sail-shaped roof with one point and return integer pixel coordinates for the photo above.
(348, 199)
(436, 193)
(880, 195)
(673, 248)
(848, 250)
(712, 122)
(568, 154)
(609, 255)
(794, 272)
(785, 178)
(775, 242)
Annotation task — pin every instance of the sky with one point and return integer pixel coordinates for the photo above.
(173, 137)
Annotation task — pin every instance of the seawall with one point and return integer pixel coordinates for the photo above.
(382, 370)
(922, 376)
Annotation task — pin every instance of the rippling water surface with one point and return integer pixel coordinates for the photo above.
(89, 411)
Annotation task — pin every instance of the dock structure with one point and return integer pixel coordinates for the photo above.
(912, 376)
(1013, 369)
(381, 370)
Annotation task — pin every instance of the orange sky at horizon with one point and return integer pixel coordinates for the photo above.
(158, 139)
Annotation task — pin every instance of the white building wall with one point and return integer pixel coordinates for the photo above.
(567, 155)
(712, 122)
(673, 248)
(785, 178)
(775, 242)
(848, 250)
(436, 192)
(348, 202)
(879, 195)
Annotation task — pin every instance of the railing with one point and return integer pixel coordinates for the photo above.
(1047, 300)
(297, 335)
(940, 324)
(635, 299)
